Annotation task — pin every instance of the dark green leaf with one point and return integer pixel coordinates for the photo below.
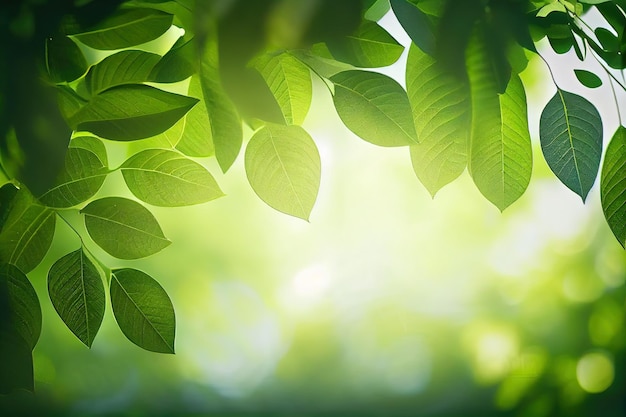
(588, 79)
(77, 294)
(196, 139)
(442, 114)
(607, 39)
(290, 82)
(16, 363)
(64, 59)
(283, 167)
(143, 310)
(614, 15)
(125, 67)
(166, 178)
(417, 24)
(369, 46)
(68, 101)
(177, 64)
(375, 107)
(613, 185)
(570, 130)
(19, 305)
(131, 112)
(126, 28)
(123, 228)
(7, 193)
(81, 178)
(27, 232)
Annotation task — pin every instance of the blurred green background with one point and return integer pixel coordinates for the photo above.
(387, 303)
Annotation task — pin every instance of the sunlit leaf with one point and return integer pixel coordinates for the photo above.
(123, 228)
(27, 232)
(124, 67)
(166, 178)
(91, 144)
(19, 305)
(131, 112)
(321, 66)
(417, 24)
(442, 114)
(500, 153)
(81, 178)
(369, 46)
(613, 185)
(375, 107)
(290, 82)
(64, 60)
(570, 130)
(177, 64)
(376, 10)
(76, 291)
(196, 139)
(283, 167)
(143, 310)
(127, 27)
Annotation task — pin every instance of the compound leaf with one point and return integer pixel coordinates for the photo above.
(613, 185)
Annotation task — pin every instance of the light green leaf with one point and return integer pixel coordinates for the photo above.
(500, 153)
(570, 130)
(323, 67)
(166, 178)
(143, 310)
(283, 167)
(370, 46)
(613, 185)
(588, 79)
(76, 291)
(91, 144)
(375, 107)
(27, 232)
(177, 64)
(124, 67)
(19, 305)
(69, 102)
(442, 114)
(81, 178)
(376, 10)
(196, 139)
(127, 27)
(64, 60)
(131, 112)
(123, 228)
(290, 82)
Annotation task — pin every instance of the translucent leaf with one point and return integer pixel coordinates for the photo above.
(27, 232)
(417, 24)
(570, 130)
(91, 144)
(442, 114)
(124, 67)
(500, 153)
(375, 107)
(376, 10)
(323, 67)
(123, 228)
(196, 139)
(588, 79)
(76, 291)
(126, 28)
(290, 82)
(283, 167)
(613, 185)
(143, 310)
(370, 46)
(131, 112)
(81, 178)
(64, 60)
(19, 305)
(177, 64)
(166, 178)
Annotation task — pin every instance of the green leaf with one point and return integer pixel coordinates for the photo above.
(64, 60)
(91, 144)
(376, 10)
(7, 193)
(417, 24)
(143, 310)
(126, 28)
(123, 228)
(500, 153)
(177, 64)
(76, 291)
(570, 130)
(81, 178)
(375, 107)
(370, 46)
(323, 67)
(290, 82)
(19, 305)
(588, 79)
(613, 185)
(196, 139)
(442, 114)
(16, 362)
(131, 112)
(125, 67)
(68, 101)
(283, 167)
(166, 178)
(27, 232)
(608, 40)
